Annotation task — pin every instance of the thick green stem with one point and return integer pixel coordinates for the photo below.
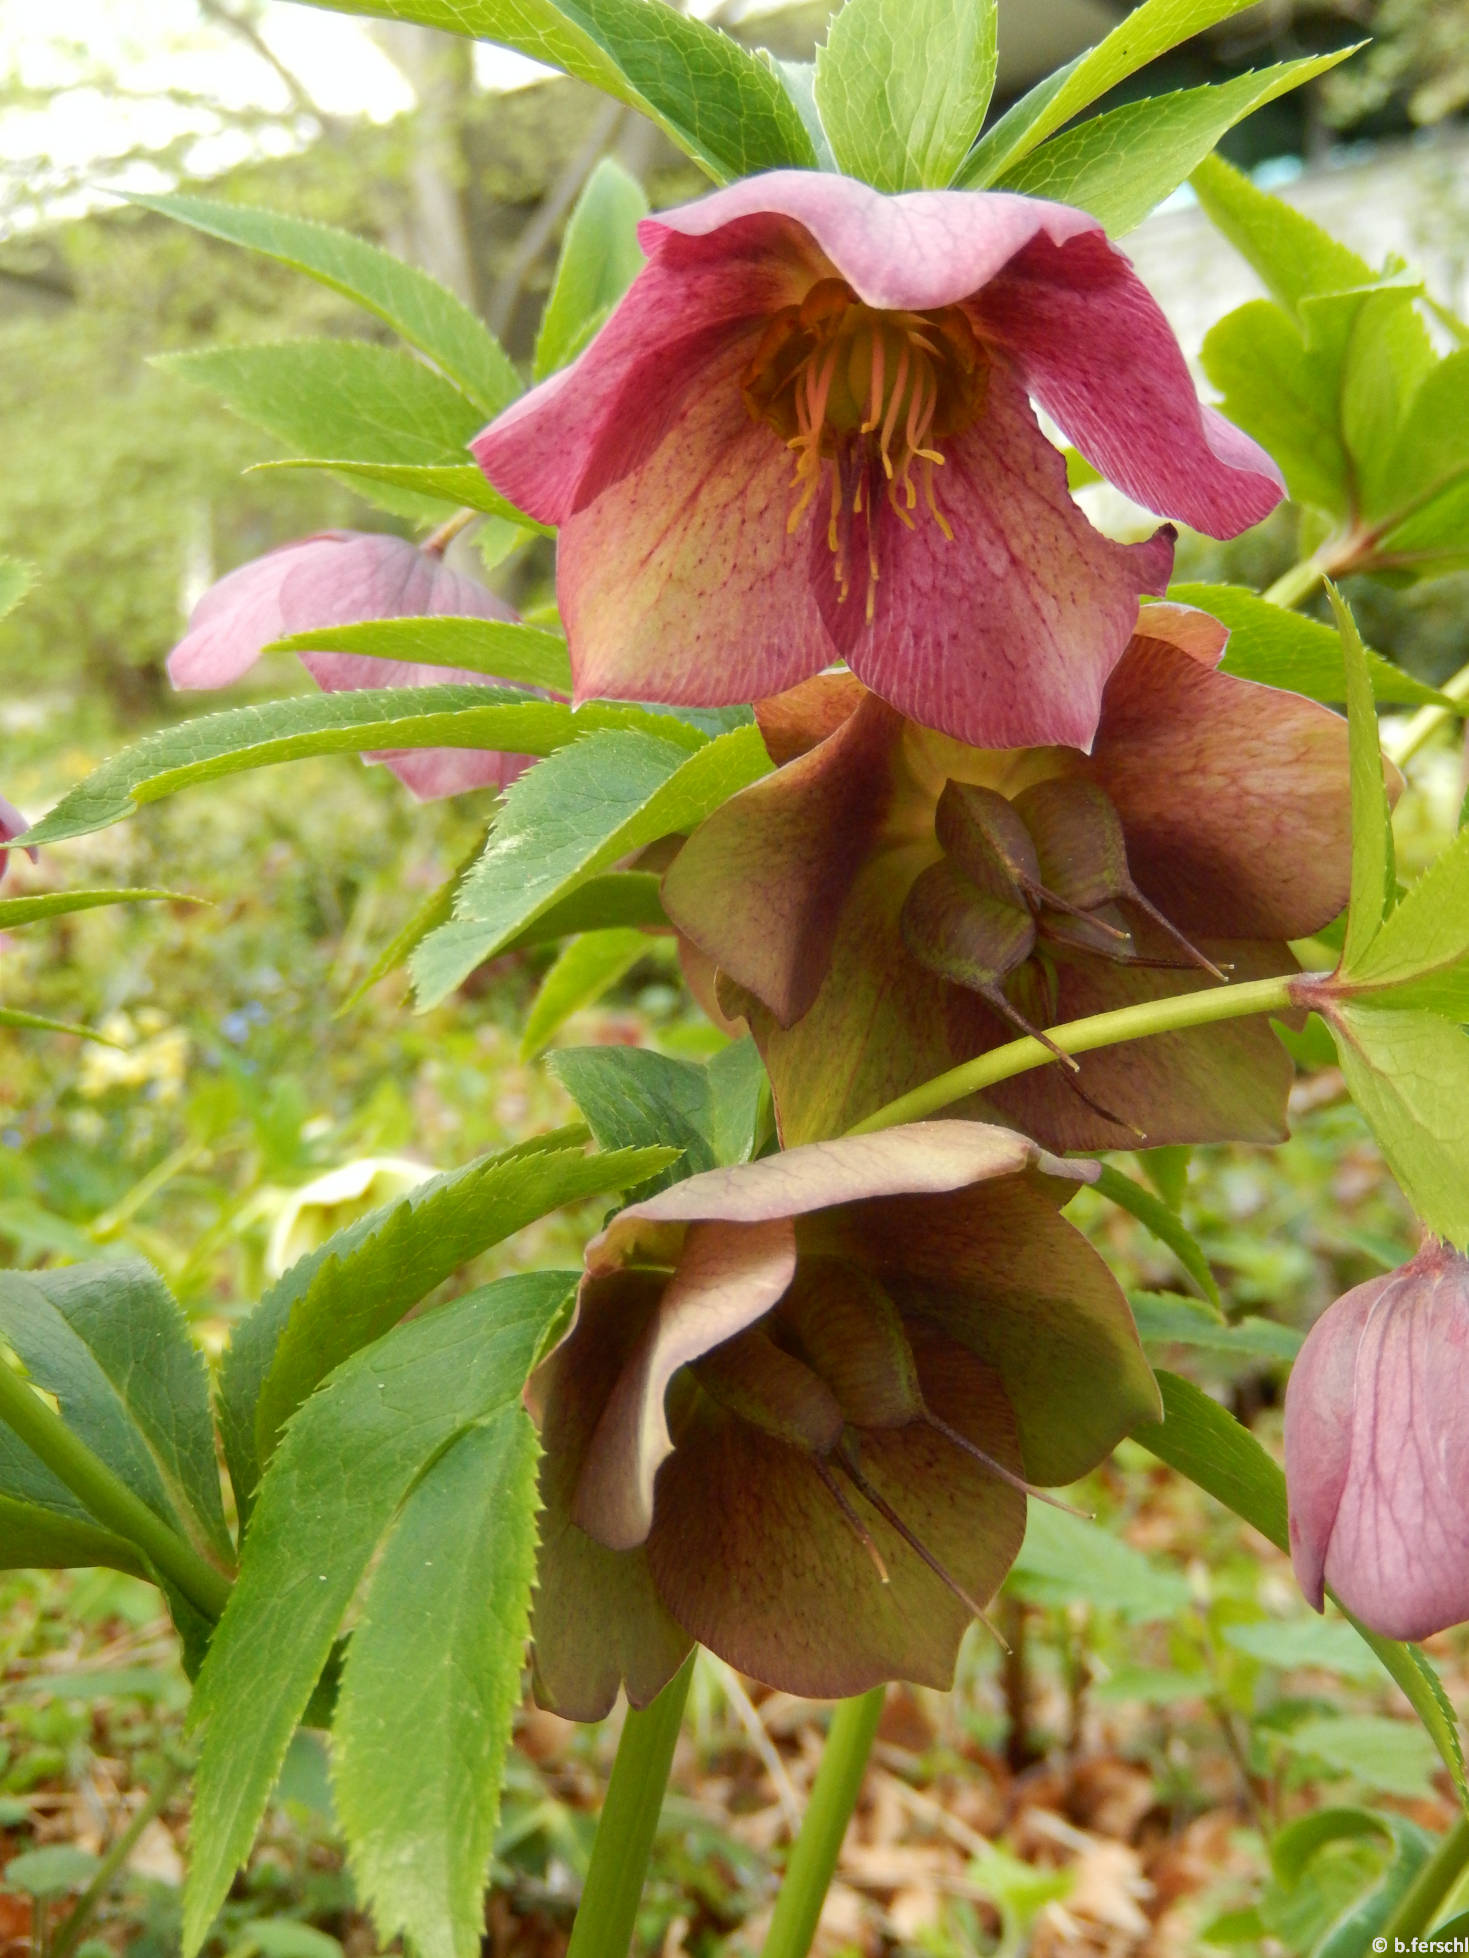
(1419, 1903)
(1296, 584)
(109, 1499)
(609, 1902)
(813, 1857)
(1150, 1016)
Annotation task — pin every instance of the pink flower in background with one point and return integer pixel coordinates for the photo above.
(12, 824)
(806, 434)
(1377, 1449)
(341, 577)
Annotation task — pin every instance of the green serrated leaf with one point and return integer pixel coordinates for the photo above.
(1408, 1072)
(901, 87)
(1285, 395)
(431, 1685)
(511, 655)
(1146, 32)
(457, 483)
(1280, 648)
(16, 580)
(330, 1269)
(1374, 872)
(581, 973)
(56, 904)
(640, 1097)
(598, 800)
(1121, 164)
(359, 1292)
(613, 900)
(468, 716)
(110, 1342)
(1164, 1320)
(1166, 1225)
(426, 314)
(343, 398)
(600, 257)
(722, 105)
(1292, 254)
(1066, 1559)
(1420, 957)
(347, 1464)
(1203, 1441)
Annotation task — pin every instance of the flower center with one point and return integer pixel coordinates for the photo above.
(1019, 880)
(872, 394)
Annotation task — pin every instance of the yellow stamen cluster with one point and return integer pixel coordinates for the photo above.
(870, 393)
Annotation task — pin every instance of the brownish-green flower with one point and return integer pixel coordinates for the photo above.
(800, 1406)
(890, 903)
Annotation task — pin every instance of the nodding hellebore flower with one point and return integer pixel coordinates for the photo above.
(801, 1404)
(890, 903)
(806, 433)
(1377, 1449)
(343, 577)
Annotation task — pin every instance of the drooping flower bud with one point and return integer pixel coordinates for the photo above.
(1377, 1449)
(344, 577)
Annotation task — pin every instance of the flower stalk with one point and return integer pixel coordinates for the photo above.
(608, 1912)
(1420, 1902)
(1138, 1022)
(813, 1857)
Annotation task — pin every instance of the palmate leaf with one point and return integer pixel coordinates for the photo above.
(901, 87)
(515, 655)
(633, 1098)
(458, 483)
(1148, 31)
(426, 314)
(341, 398)
(368, 1444)
(365, 1277)
(1204, 1442)
(431, 1684)
(109, 1341)
(594, 802)
(1121, 164)
(1291, 253)
(722, 105)
(43, 1524)
(600, 256)
(466, 716)
(582, 972)
(357, 1293)
(1280, 648)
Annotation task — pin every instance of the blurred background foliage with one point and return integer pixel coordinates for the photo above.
(1114, 1784)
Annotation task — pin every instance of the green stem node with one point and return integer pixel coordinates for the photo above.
(813, 1857)
(624, 1841)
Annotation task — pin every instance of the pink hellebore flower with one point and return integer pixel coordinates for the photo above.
(340, 577)
(795, 1414)
(806, 434)
(890, 902)
(1377, 1449)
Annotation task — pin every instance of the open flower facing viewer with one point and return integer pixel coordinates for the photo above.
(799, 1406)
(890, 902)
(806, 433)
(342, 577)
